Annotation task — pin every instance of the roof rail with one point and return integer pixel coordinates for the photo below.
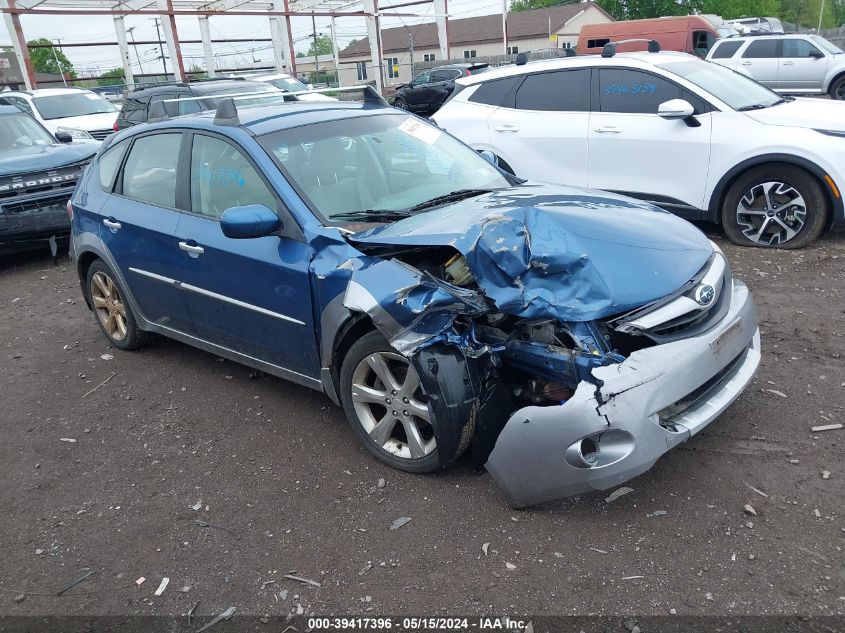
(609, 49)
(523, 58)
(369, 93)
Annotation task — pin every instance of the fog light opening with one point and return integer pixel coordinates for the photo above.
(589, 451)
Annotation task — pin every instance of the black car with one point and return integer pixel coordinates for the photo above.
(430, 89)
(37, 176)
(136, 105)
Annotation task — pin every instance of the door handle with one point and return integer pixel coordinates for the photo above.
(745, 63)
(190, 248)
(608, 129)
(788, 63)
(113, 225)
(506, 127)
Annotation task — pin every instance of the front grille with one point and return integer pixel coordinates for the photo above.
(47, 204)
(100, 134)
(25, 185)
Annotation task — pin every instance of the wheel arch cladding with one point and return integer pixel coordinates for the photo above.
(83, 264)
(714, 209)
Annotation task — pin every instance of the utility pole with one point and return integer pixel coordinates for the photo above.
(821, 13)
(135, 46)
(316, 61)
(160, 48)
(58, 63)
(411, 51)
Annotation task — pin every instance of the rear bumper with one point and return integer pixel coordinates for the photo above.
(656, 399)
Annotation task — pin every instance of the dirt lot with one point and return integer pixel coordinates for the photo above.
(285, 488)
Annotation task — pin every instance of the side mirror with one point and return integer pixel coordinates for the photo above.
(64, 137)
(816, 54)
(253, 220)
(675, 109)
(489, 156)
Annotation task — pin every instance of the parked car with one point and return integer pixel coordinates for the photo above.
(136, 104)
(693, 34)
(692, 137)
(428, 90)
(747, 26)
(566, 337)
(37, 176)
(81, 113)
(286, 83)
(788, 64)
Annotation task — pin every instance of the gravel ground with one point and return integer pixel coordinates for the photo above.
(105, 454)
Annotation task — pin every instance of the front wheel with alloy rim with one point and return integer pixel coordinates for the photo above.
(383, 400)
(775, 206)
(400, 103)
(837, 89)
(114, 315)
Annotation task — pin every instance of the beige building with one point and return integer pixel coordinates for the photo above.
(468, 38)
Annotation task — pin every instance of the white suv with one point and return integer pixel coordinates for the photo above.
(692, 137)
(789, 64)
(81, 113)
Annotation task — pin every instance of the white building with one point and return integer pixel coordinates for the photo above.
(468, 38)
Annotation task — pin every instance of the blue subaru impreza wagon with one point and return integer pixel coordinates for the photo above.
(565, 338)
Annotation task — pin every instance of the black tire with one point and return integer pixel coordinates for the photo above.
(369, 344)
(134, 337)
(400, 103)
(750, 186)
(837, 88)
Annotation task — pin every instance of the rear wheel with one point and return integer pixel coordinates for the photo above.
(837, 88)
(399, 102)
(775, 206)
(384, 403)
(113, 312)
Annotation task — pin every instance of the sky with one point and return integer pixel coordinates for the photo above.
(90, 60)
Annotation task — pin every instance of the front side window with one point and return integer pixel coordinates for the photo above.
(495, 92)
(726, 50)
(633, 91)
(794, 48)
(71, 104)
(422, 78)
(19, 131)
(598, 42)
(561, 91)
(134, 110)
(761, 49)
(384, 162)
(149, 174)
(222, 177)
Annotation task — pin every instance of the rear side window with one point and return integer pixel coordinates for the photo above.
(150, 171)
(109, 162)
(725, 50)
(761, 49)
(634, 92)
(134, 110)
(496, 92)
(560, 91)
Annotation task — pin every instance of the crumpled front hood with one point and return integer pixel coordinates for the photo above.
(540, 251)
(44, 157)
(822, 114)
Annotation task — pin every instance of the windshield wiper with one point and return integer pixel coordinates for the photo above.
(763, 106)
(452, 196)
(378, 215)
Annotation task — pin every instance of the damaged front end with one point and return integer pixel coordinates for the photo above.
(568, 378)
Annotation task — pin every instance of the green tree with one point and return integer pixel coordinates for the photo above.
(49, 60)
(113, 77)
(730, 9)
(197, 72)
(805, 13)
(527, 5)
(324, 46)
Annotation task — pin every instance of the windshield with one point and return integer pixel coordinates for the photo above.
(386, 163)
(72, 104)
(288, 84)
(734, 89)
(829, 47)
(18, 131)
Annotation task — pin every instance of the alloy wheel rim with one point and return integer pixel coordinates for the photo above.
(389, 403)
(840, 91)
(771, 213)
(400, 104)
(109, 306)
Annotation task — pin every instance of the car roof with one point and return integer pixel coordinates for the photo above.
(204, 87)
(636, 59)
(45, 92)
(267, 118)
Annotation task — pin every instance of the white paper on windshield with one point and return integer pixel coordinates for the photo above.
(93, 97)
(428, 134)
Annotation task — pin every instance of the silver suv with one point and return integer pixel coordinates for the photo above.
(789, 64)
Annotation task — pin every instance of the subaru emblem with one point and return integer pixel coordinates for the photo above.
(704, 294)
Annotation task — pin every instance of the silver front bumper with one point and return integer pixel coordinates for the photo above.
(539, 456)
